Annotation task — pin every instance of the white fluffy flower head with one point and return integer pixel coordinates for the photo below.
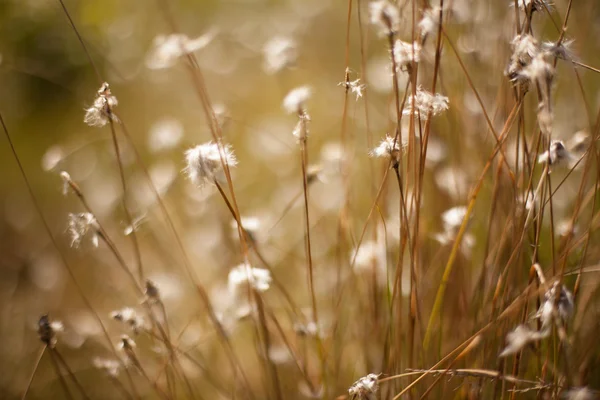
(365, 388)
(82, 224)
(244, 274)
(389, 147)
(294, 102)
(168, 48)
(279, 53)
(203, 163)
(406, 53)
(385, 16)
(101, 111)
(425, 103)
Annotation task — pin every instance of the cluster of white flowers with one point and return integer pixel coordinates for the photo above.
(242, 275)
(426, 103)
(130, 318)
(167, 49)
(82, 224)
(203, 163)
(101, 111)
(406, 53)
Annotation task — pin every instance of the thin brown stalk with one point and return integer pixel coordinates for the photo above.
(35, 367)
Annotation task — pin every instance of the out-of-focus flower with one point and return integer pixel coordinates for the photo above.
(101, 111)
(566, 306)
(129, 317)
(519, 338)
(203, 163)
(389, 148)
(166, 49)
(244, 274)
(556, 154)
(429, 23)
(111, 367)
(385, 16)
(279, 52)
(80, 225)
(406, 53)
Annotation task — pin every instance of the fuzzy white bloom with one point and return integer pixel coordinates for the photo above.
(453, 217)
(406, 53)
(129, 317)
(111, 367)
(539, 69)
(370, 254)
(355, 87)
(166, 49)
(203, 163)
(538, 5)
(426, 103)
(251, 226)
(429, 23)
(365, 388)
(165, 134)
(562, 51)
(244, 274)
(101, 111)
(80, 225)
(525, 47)
(579, 393)
(389, 147)
(294, 102)
(279, 52)
(519, 338)
(385, 16)
(556, 154)
(566, 306)
(126, 343)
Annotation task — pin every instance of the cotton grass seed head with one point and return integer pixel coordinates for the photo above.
(385, 16)
(566, 306)
(130, 318)
(556, 154)
(389, 148)
(101, 112)
(519, 338)
(406, 53)
(295, 101)
(426, 103)
(166, 49)
(365, 388)
(81, 225)
(242, 275)
(203, 163)
(110, 367)
(279, 52)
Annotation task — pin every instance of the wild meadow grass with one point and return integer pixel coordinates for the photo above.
(300, 200)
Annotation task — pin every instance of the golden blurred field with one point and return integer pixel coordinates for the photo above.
(437, 249)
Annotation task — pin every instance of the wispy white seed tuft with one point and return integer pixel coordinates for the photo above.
(130, 318)
(389, 148)
(365, 388)
(82, 224)
(279, 52)
(426, 103)
(556, 154)
(166, 49)
(406, 53)
(244, 274)
(203, 163)
(519, 338)
(101, 111)
(385, 16)
(295, 101)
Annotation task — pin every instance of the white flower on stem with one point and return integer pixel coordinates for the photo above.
(429, 23)
(365, 388)
(82, 224)
(203, 163)
(294, 101)
(556, 154)
(167, 49)
(111, 367)
(538, 5)
(101, 111)
(406, 53)
(130, 318)
(566, 306)
(385, 16)
(279, 52)
(244, 274)
(519, 338)
(389, 148)
(579, 393)
(425, 103)
(355, 87)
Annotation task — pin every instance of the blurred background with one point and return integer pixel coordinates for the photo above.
(251, 53)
